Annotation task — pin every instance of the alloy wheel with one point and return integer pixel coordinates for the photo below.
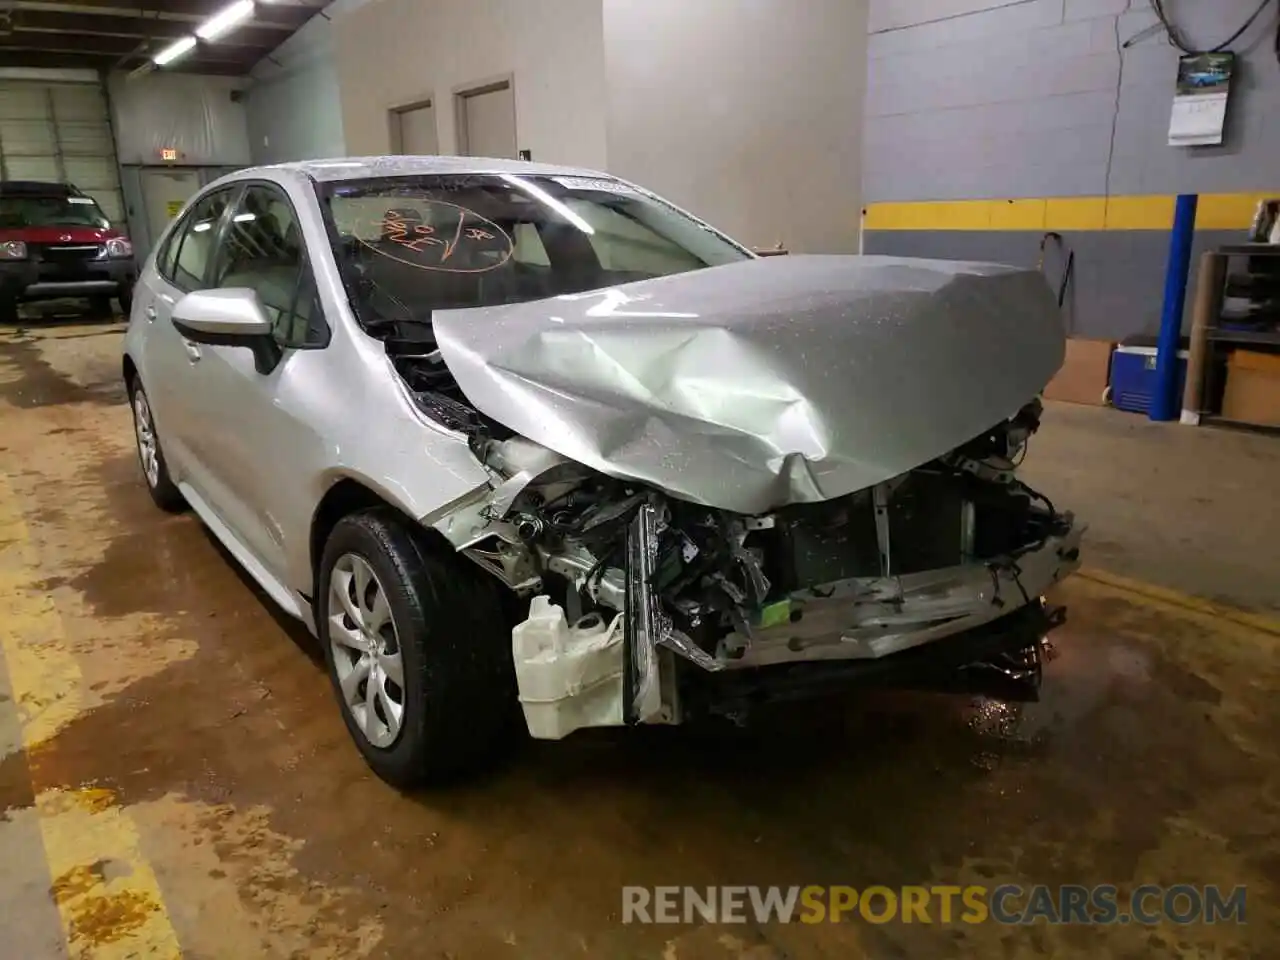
(366, 650)
(148, 450)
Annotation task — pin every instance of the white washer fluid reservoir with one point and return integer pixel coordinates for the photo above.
(569, 676)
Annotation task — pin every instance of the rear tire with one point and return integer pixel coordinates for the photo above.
(155, 472)
(428, 621)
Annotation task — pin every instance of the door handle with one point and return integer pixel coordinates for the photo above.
(150, 314)
(193, 352)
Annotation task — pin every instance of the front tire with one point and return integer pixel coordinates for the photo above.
(8, 310)
(155, 471)
(418, 650)
(125, 298)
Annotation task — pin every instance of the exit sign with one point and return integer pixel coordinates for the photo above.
(168, 154)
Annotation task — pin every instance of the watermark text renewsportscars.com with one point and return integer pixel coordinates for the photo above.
(1103, 904)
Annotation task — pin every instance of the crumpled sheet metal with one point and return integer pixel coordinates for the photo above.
(768, 382)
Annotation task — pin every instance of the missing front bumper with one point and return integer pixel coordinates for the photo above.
(872, 618)
(954, 629)
(979, 660)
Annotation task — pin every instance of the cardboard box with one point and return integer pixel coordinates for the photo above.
(1252, 393)
(1084, 374)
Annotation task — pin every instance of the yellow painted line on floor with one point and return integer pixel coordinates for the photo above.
(1215, 211)
(1254, 621)
(106, 892)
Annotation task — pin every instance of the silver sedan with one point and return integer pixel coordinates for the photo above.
(530, 447)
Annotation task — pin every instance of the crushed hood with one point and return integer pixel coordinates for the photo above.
(766, 382)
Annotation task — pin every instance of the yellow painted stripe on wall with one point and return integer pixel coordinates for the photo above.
(1075, 213)
(1216, 211)
(1227, 211)
(1018, 215)
(1140, 213)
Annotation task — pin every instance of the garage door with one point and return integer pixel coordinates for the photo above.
(60, 132)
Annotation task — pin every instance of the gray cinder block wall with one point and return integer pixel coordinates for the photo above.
(975, 101)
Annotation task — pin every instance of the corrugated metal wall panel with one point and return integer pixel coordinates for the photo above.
(60, 132)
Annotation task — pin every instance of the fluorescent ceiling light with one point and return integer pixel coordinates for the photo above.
(542, 196)
(174, 51)
(225, 19)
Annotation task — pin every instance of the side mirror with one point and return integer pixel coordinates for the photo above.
(231, 317)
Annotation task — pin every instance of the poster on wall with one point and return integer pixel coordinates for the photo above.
(1200, 103)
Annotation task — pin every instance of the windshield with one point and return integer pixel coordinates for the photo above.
(410, 245)
(51, 212)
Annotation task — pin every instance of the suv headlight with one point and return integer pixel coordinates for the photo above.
(13, 250)
(119, 247)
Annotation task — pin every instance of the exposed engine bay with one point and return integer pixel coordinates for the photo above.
(643, 589)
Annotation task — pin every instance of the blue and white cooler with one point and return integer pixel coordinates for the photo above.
(1133, 373)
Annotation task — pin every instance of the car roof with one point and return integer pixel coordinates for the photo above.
(359, 168)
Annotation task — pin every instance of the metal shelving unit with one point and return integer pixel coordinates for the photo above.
(1244, 336)
(1211, 341)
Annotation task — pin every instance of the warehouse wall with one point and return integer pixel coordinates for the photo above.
(398, 52)
(203, 118)
(197, 115)
(293, 104)
(1030, 116)
(747, 111)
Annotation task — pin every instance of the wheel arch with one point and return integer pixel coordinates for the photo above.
(128, 369)
(348, 495)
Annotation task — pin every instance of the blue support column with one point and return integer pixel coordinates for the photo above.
(1166, 403)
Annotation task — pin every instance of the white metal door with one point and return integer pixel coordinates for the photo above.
(163, 194)
(416, 131)
(487, 121)
(60, 132)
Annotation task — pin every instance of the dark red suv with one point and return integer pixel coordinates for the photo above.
(56, 242)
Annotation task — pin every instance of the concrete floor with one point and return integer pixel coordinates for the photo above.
(174, 775)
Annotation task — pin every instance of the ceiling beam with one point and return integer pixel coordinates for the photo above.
(105, 59)
(69, 42)
(136, 28)
(116, 49)
(120, 34)
(78, 60)
(269, 16)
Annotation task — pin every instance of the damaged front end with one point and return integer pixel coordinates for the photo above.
(754, 480)
(649, 608)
